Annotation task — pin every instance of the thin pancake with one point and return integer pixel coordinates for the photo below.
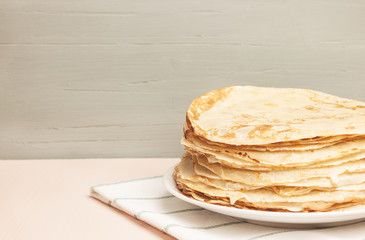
(255, 116)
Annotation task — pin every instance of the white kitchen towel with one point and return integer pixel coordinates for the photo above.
(147, 200)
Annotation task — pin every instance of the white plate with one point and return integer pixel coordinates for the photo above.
(273, 219)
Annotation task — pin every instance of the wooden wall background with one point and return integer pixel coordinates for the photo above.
(113, 78)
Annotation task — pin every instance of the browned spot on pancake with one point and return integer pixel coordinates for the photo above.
(350, 127)
(248, 116)
(259, 131)
(253, 159)
(347, 107)
(244, 118)
(276, 120)
(248, 156)
(358, 106)
(271, 104)
(230, 134)
(312, 108)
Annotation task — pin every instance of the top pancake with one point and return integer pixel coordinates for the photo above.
(250, 115)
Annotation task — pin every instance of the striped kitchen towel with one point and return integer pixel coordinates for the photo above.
(147, 200)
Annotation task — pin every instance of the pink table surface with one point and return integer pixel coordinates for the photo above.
(49, 199)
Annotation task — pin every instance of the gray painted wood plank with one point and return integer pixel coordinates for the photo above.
(114, 78)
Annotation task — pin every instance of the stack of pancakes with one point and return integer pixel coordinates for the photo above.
(274, 149)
